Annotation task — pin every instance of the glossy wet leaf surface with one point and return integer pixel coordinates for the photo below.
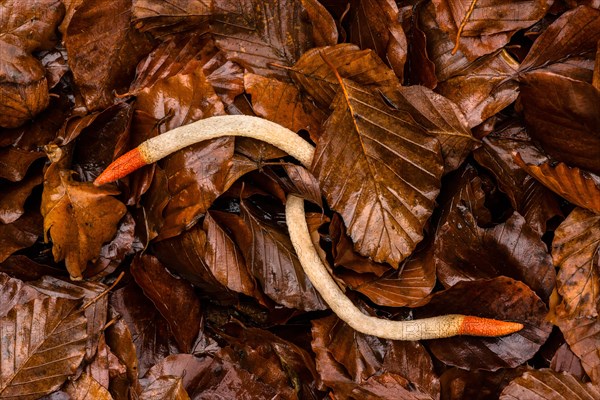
(455, 171)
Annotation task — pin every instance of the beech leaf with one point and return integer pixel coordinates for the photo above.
(257, 33)
(78, 217)
(380, 171)
(168, 18)
(87, 388)
(548, 384)
(43, 344)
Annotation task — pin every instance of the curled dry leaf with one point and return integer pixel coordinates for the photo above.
(256, 34)
(43, 344)
(174, 298)
(78, 217)
(169, 18)
(380, 171)
(283, 103)
(499, 298)
(375, 24)
(579, 187)
(101, 30)
(318, 79)
(547, 384)
(26, 26)
(481, 27)
(576, 251)
(562, 115)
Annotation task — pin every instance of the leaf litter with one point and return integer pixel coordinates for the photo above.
(456, 171)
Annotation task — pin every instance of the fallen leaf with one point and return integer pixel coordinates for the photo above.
(547, 384)
(284, 104)
(19, 234)
(562, 115)
(14, 291)
(78, 217)
(102, 31)
(44, 343)
(256, 34)
(13, 197)
(527, 196)
(87, 388)
(458, 384)
(185, 366)
(15, 162)
(324, 30)
(318, 79)
(380, 171)
(481, 27)
(165, 387)
(27, 26)
(576, 252)
(499, 298)
(270, 256)
(565, 360)
(226, 77)
(174, 298)
(125, 362)
(574, 34)
(169, 18)
(577, 186)
(375, 24)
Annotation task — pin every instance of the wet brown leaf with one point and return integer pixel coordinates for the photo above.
(574, 34)
(87, 388)
(226, 77)
(460, 384)
(565, 360)
(224, 257)
(13, 291)
(324, 30)
(375, 24)
(481, 27)
(101, 30)
(562, 114)
(483, 88)
(13, 197)
(78, 217)
(270, 256)
(257, 33)
(124, 368)
(527, 196)
(576, 251)
(165, 387)
(511, 248)
(303, 183)
(185, 366)
(144, 325)
(194, 175)
(20, 234)
(15, 162)
(362, 66)
(547, 384)
(348, 361)
(284, 104)
(579, 187)
(43, 344)
(440, 118)
(499, 298)
(395, 171)
(172, 17)
(174, 298)
(27, 26)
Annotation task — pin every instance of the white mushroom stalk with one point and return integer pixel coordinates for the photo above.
(257, 128)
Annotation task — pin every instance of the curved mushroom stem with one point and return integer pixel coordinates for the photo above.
(240, 125)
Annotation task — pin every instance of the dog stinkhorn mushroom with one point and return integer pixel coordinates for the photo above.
(240, 125)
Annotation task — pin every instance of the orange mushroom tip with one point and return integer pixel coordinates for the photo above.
(121, 167)
(476, 326)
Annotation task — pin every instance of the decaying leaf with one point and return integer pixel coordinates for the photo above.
(43, 345)
(19, 234)
(547, 384)
(78, 217)
(380, 171)
(26, 26)
(87, 388)
(165, 18)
